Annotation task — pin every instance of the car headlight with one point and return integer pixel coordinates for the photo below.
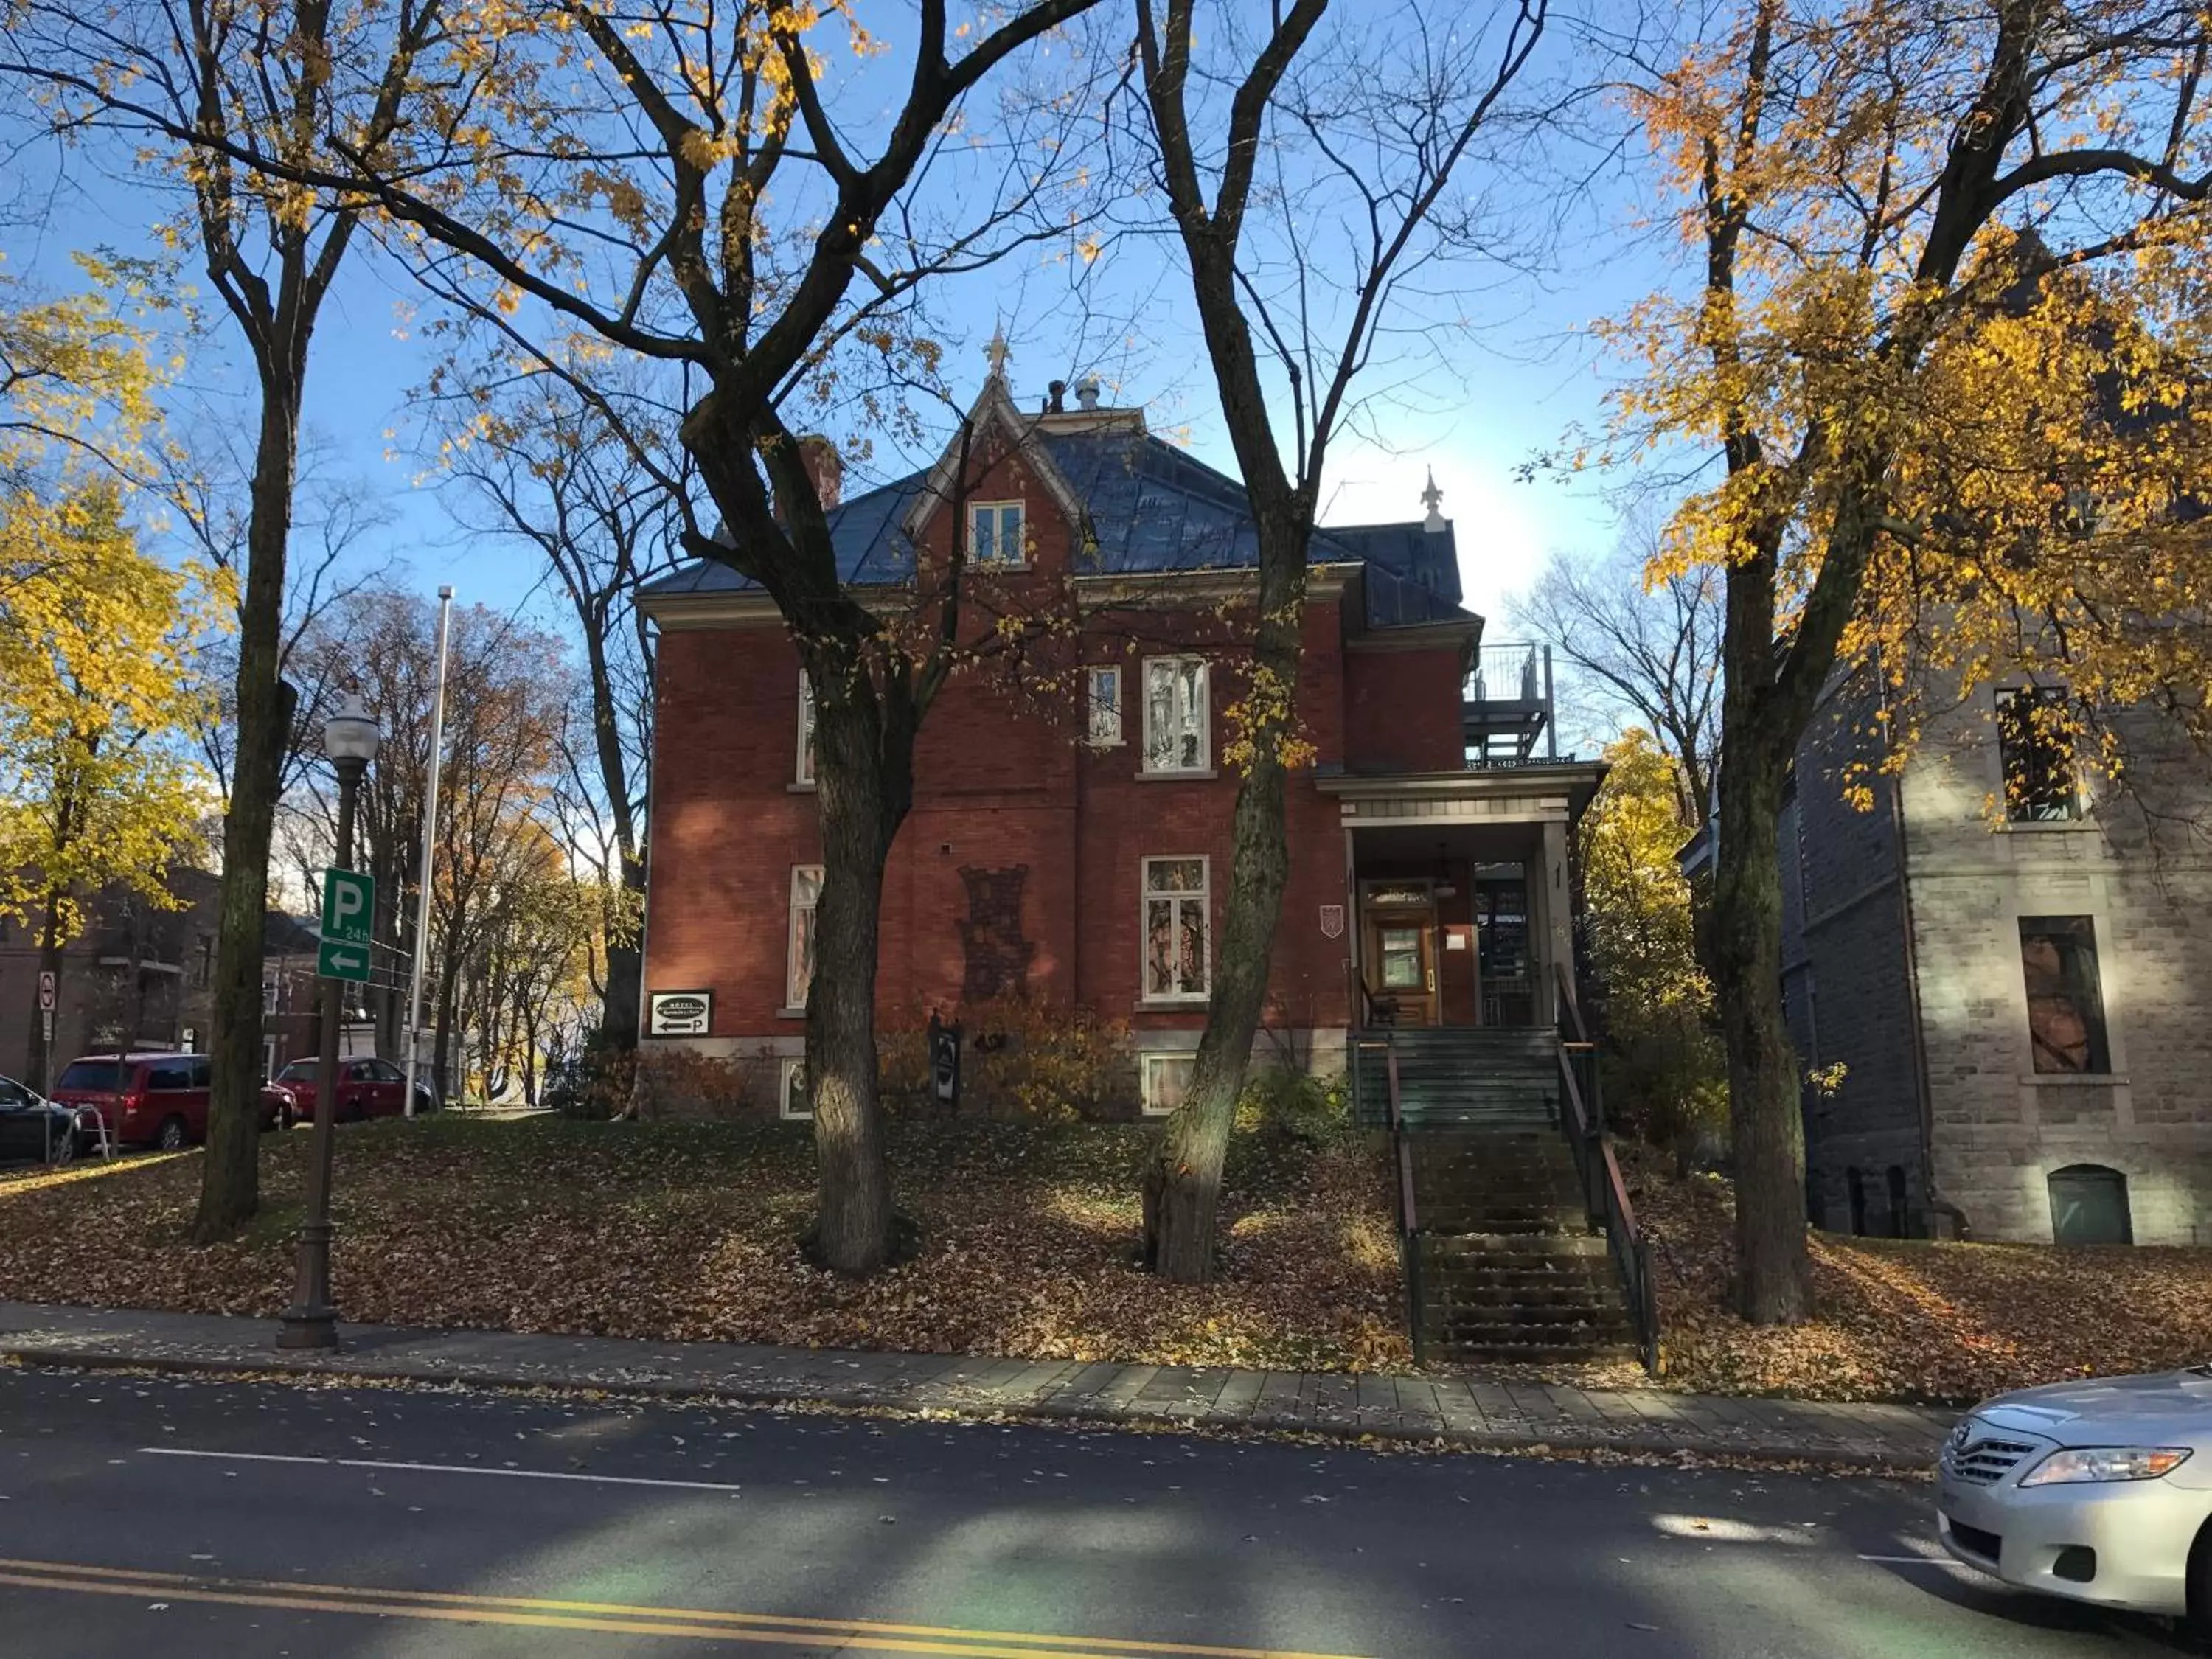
(2107, 1463)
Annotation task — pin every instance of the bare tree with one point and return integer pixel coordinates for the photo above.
(1310, 224)
(1639, 654)
(600, 502)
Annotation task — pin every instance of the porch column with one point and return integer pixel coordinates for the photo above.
(1555, 918)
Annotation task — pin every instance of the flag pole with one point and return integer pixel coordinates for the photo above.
(429, 842)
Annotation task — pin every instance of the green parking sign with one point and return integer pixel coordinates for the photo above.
(348, 901)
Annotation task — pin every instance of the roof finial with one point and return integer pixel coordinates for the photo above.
(1431, 498)
(997, 351)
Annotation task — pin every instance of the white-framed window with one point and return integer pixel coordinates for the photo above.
(1102, 704)
(1166, 1080)
(1176, 736)
(798, 956)
(995, 534)
(806, 772)
(1176, 928)
(791, 1100)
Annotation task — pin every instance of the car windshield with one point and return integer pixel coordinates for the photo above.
(96, 1076)
(300, 1070)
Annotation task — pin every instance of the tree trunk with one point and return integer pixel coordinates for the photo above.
(230, 1184)
(1182, 1183)
(441, 1049)
(1183, 1178)
(852, 1225)
(1773, 1272)
(625, 967)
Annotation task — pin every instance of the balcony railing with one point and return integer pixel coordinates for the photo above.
(1506, 706)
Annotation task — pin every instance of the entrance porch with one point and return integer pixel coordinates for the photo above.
(1461, 894)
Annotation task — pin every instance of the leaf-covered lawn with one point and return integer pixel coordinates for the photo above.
(1915, 1321)
(689, 1231)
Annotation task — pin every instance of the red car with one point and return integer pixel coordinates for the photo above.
(367, 1088)
(147, 1100)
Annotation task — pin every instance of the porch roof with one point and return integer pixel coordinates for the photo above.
(1527, 793)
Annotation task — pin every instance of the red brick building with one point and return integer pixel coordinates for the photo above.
(1070, 837)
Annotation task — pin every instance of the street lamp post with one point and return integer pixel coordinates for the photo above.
(349, 739)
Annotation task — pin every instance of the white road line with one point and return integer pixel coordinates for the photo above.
(440, 1468)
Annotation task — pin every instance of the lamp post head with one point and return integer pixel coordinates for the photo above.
(349, 736)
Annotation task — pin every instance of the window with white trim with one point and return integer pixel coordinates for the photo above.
(1175, 715)
(1166, 1080)
(1103, 699)
(806, 772)
(793, 1100)
(799, 957)
(1176, 928)
(994, 534)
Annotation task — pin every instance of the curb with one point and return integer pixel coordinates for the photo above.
(1062, 1413)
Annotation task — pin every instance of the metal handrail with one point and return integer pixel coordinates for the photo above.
(1605, 1192)
(1409, 1225)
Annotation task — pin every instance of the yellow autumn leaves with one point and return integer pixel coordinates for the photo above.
(99, 691)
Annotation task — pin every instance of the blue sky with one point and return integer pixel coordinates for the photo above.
(1511, 385)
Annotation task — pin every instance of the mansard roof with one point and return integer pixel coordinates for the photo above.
(1144, 508)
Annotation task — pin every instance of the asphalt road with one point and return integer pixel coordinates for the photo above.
(145, 1518)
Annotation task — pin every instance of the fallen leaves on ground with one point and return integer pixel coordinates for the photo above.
(1912, 1320)
(689, 1232)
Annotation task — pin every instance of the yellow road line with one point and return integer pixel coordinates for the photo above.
(608, 1616)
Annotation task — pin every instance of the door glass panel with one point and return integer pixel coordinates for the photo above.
(1401, 951)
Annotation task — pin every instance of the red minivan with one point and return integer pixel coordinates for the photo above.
(367, 1088)
(147, 1100)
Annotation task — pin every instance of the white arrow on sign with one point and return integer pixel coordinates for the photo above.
(346, 959)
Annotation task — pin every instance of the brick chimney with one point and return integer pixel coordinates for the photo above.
(824, 468)
(819, 457)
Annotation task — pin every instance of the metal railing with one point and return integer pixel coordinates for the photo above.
(1409, 1221)
(1605, 1194)
(1507, 698)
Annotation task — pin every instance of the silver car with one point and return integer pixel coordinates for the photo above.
(2098, 1490)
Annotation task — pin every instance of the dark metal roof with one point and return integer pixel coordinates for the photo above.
(1151, 508)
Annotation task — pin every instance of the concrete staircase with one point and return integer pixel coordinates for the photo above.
(1505, 1261)
(1509, 1266)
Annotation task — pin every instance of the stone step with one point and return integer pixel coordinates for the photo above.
(1585, 1295)
(1528, 1354)
(1554, 1333)
(1470, 1246)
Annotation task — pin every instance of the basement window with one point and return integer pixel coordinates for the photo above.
(1166, 1081)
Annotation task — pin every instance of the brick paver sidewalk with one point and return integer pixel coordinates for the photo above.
(1457, 1411)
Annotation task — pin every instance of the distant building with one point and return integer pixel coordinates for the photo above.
(2010, 959)
(141, 977)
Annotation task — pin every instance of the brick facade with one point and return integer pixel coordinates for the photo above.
(1023, 858)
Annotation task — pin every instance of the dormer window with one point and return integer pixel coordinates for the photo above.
(995, 534)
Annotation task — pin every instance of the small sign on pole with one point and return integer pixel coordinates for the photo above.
(348, 901)
(46, 992)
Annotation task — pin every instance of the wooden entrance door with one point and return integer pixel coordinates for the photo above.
(1400, 955)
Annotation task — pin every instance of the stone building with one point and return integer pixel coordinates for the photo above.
(2009, 955)
(1069, 843)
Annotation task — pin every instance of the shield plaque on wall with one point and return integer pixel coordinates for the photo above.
(1332, 921)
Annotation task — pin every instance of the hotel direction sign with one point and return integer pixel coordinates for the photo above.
(679, 1013)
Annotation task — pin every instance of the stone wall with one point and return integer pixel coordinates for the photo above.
(2134, 865)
